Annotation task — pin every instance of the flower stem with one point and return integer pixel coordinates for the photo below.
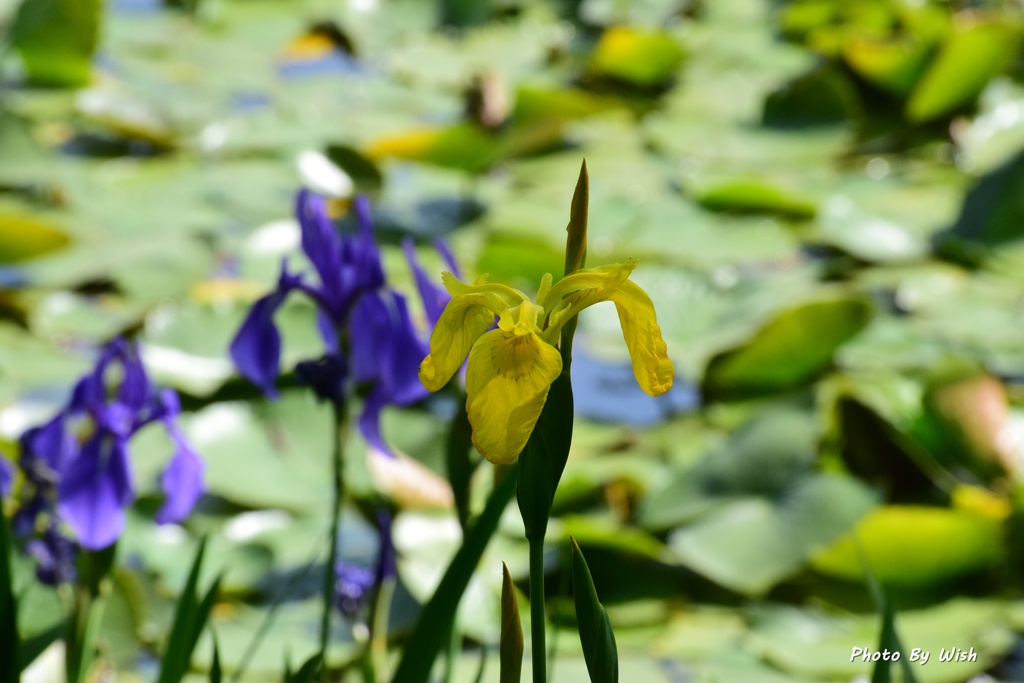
(338, 466)
(376, 658)
(87, 611)
(537, 648)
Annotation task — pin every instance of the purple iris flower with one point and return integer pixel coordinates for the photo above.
(368, 333)
(87, 485)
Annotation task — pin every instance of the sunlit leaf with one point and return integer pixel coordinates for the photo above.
(789, 350)
(973, 53)
(56, 39)
(638, 57)
(24, 237)
(914, 546)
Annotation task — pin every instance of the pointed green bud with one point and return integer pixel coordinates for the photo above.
(511, 649)
(576, 242)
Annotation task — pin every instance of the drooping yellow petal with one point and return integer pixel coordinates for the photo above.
(507, 382)
(651, 366)
(462, 322)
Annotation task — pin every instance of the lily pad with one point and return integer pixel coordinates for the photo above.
(972, 54)
(790, 350)
(638, 57)
(752, 544)
(915, 546)
(25, 236)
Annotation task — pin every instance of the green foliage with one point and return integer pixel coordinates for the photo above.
(11, 665)
(56, 40)
(190, 617)
(438, 615)
(511, 642)
(595, 630)
(789, 350)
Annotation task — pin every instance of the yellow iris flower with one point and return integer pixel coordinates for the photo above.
(512, 367)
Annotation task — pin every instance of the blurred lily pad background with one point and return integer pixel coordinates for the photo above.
(826, 200)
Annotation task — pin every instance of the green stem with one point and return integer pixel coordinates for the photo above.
(537, 649)
(376, 659)
(451, 654)
(87, 613)
(338, 466)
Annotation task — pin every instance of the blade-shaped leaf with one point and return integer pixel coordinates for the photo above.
(189, 618)
(307, 672)
(435, 622)
(596, 634)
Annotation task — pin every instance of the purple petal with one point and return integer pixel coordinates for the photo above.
(322, 244)
(94, 490)
(6, 477)
(434, 296)
(256, 349)
(385, 348)
(446, 253)
(369, 420)
(135, 389)
(54, 555)
(401, 363)
(386, 565)
(182, 481)
(328, 331)
(363, 255)
(47, 449)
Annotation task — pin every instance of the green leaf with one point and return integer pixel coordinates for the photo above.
(10, 666)
(755, 196)
(307, 672)
(543, 460)
(25, 237)
(433, 627)
(822, 97)
(463, 146)
(914, 546)
(190, 617)
(790, 350)
(461, 465)
(216, 674)
(972, 54)
(890, 640)
(992, 215)
(511, 648)
(815, 645)
(894, 65)
(637, 57)
(595, 630)
(752, 544)
(56, 39)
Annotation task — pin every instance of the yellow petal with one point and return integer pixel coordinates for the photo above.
(602, 277)
(500, 295)
(507, 382)
(651, 366)
(462, 322)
